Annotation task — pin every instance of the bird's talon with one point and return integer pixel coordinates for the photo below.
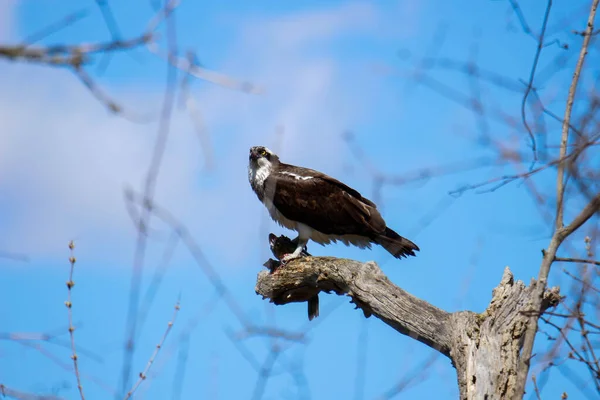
(286, 258)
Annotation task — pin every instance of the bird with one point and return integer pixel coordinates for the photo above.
(319, 207)
(279, 246)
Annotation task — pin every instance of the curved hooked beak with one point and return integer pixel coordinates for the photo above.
(253, 154)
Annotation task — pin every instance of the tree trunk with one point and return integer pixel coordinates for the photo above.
(484, 348)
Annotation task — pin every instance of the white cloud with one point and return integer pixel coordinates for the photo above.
(6, 19)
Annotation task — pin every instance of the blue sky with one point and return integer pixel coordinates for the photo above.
(328, 67)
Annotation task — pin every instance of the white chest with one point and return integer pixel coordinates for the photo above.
(258, 175)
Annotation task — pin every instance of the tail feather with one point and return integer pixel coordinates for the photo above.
(396, 245)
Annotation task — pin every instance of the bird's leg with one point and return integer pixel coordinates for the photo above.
(297, 252)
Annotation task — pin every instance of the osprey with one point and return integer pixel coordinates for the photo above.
(319, 207)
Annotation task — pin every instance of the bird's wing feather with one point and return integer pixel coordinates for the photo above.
(323, 203)
(311, 172)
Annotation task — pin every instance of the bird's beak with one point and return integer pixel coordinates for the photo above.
(253, 154)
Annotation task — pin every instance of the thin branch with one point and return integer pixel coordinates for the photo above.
(14, 256)
(18, 395)
(181, 368)
(207, 75)
(55, 27)
(242, 349)
(560, 233)
(560, 179)
(420, 372)
(590, 209)
(193, 109)
(272, 333)
(69, 56)
(264, 374)
(157, 278)
(113, 29)
(540, 45)
(20, 337)
(69, 305)
(202, 312)
(584, 283)
(503, 180)
(195, 250)
(143, 375)
(524, 25)
(577, 260)
(102, 97)
(148, 190)
(66, 366)
(535, 387)
(362, 345)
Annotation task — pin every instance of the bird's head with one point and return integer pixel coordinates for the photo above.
(261, 156)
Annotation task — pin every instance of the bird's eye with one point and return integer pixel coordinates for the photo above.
(263, 153)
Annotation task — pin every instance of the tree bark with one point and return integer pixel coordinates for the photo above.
(484, 348)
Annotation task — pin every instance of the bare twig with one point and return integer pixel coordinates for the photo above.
(590, 209)
(69, 56)
(113, 29)
(20, 337)
(577, 260)
(102, 97)
(419, 373)
(560, 179)
(143, 375)
(265, 373)
(5, 391)
(181, 368)
(202, 312)
(149, 188)
(271, 333)
(66, 366)
(540, 46)
(361, 361)
(69, 305)
(14, 256)
(195, 250)
(560, 233)
(56, 26)
(207, 75)
(500, 181)
(524, 25)
(193, 109)
(535, 387)
(157, 278)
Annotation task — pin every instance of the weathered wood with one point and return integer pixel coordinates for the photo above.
(369, 289)
(484, 348)
(487, 356)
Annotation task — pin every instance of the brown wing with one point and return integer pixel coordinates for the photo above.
(311, 172)
(324, 203)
